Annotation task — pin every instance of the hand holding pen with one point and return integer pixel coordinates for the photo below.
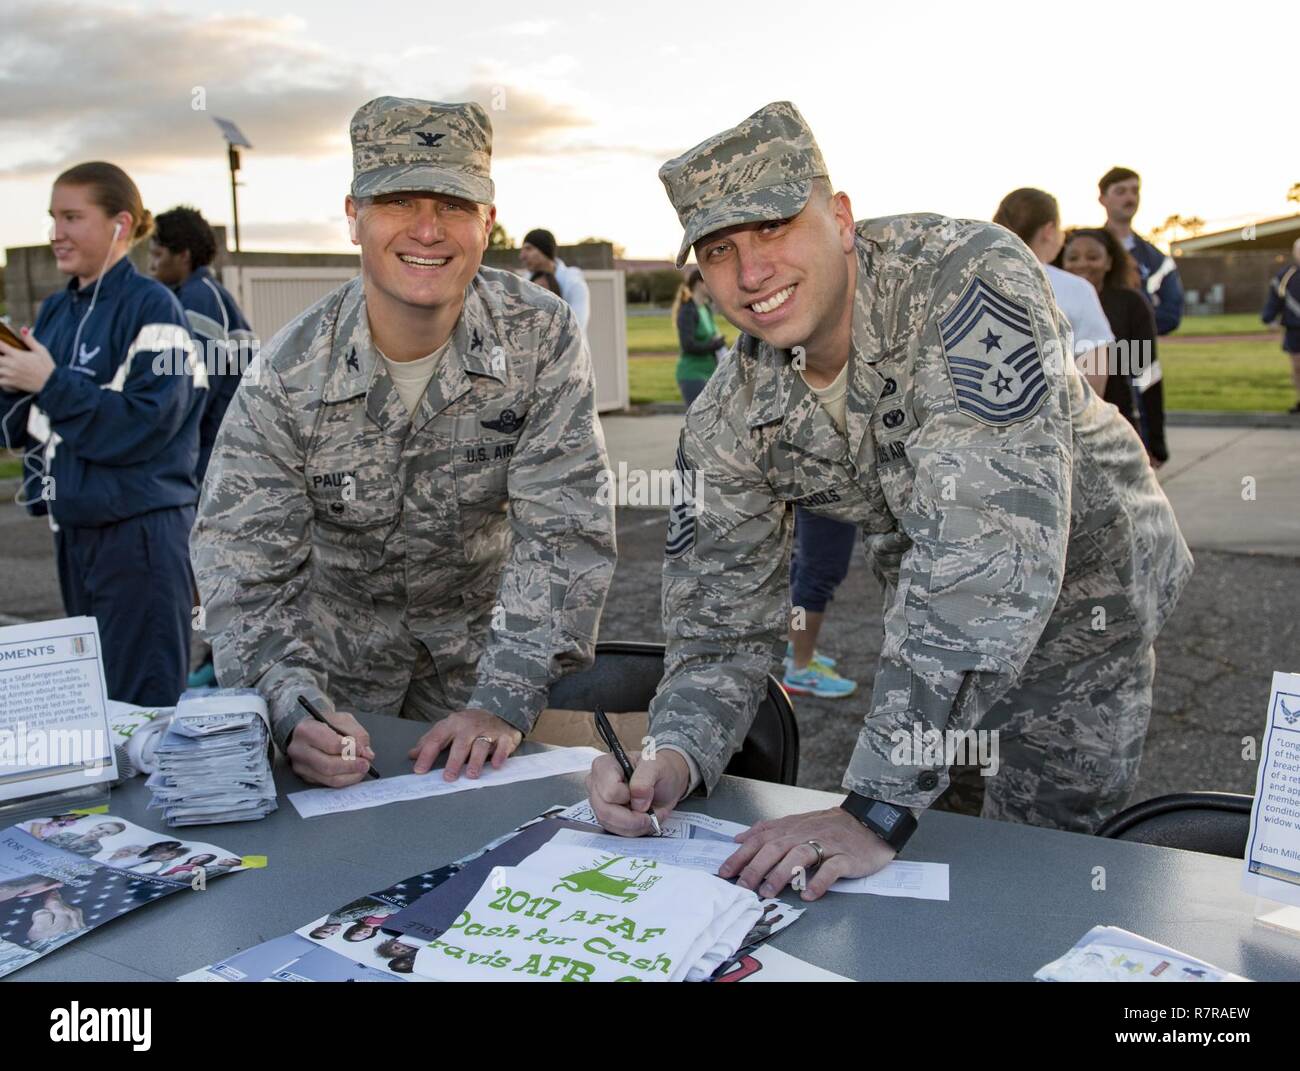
(315, 748)
(616, 749)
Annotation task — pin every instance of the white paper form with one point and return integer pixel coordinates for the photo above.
(54, 731)
(1272, 864)
(313, 802)
(686, 824)
(902, 877)
(921, 881)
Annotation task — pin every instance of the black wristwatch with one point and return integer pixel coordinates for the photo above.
(893, 825)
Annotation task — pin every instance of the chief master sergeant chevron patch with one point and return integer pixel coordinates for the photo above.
(993, 358)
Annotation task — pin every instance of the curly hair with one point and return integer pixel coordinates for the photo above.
(184, 228)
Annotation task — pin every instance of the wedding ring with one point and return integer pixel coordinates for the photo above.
(821, 852)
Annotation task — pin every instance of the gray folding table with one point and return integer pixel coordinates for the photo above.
(1020, 896)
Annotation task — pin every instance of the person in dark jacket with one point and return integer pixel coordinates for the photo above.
(1120, 194)
(180, 252)
(105, 402)
(1097, 256)
(698, 336)
(1283, 303)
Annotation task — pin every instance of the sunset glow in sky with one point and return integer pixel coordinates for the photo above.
(937, 107)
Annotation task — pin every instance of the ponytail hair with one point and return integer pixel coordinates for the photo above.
(684, 290)
(1026, 211)
(114, 191)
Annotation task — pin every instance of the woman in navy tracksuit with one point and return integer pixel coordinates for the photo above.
(106, 404)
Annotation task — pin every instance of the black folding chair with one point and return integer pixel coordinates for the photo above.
(1216, 823)
(624, 678)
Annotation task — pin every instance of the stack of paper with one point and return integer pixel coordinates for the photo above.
(574, 913)
(214, 763)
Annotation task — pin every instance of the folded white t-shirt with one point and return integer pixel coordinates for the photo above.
(569, 913)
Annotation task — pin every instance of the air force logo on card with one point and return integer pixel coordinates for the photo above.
(681, 515)
(993, 357)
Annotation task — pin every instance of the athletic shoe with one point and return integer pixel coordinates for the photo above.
(817, 659)
(818, 680)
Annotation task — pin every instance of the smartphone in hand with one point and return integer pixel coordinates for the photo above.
(8, 337)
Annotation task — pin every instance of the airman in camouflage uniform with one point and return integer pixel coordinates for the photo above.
(411, 563)
(1027, 552)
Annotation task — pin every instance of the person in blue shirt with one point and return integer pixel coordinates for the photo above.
(1283, 303)
(105, 403)
(180, 251)
(1120, 194)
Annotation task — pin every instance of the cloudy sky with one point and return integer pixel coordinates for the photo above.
(938, 106)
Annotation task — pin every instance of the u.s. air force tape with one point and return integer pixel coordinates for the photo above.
(681, 515)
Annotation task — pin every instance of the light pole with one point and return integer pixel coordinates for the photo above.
(234, 142)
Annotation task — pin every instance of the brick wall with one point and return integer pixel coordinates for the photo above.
(1244, 276)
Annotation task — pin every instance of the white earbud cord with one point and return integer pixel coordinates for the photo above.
(32, 462)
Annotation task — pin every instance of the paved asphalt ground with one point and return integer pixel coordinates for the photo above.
(1236, 623)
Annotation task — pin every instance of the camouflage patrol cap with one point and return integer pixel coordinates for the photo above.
(761, 169)
(400, 145)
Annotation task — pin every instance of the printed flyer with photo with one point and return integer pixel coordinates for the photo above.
(62, 876)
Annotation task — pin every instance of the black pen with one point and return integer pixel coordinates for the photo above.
(616, 749)
(310, 708)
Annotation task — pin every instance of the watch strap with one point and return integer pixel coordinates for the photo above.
(892, 824)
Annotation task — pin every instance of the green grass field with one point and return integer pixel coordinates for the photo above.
(1231, 376)
(1235, 323)
(1252, 374)
(657, 334)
